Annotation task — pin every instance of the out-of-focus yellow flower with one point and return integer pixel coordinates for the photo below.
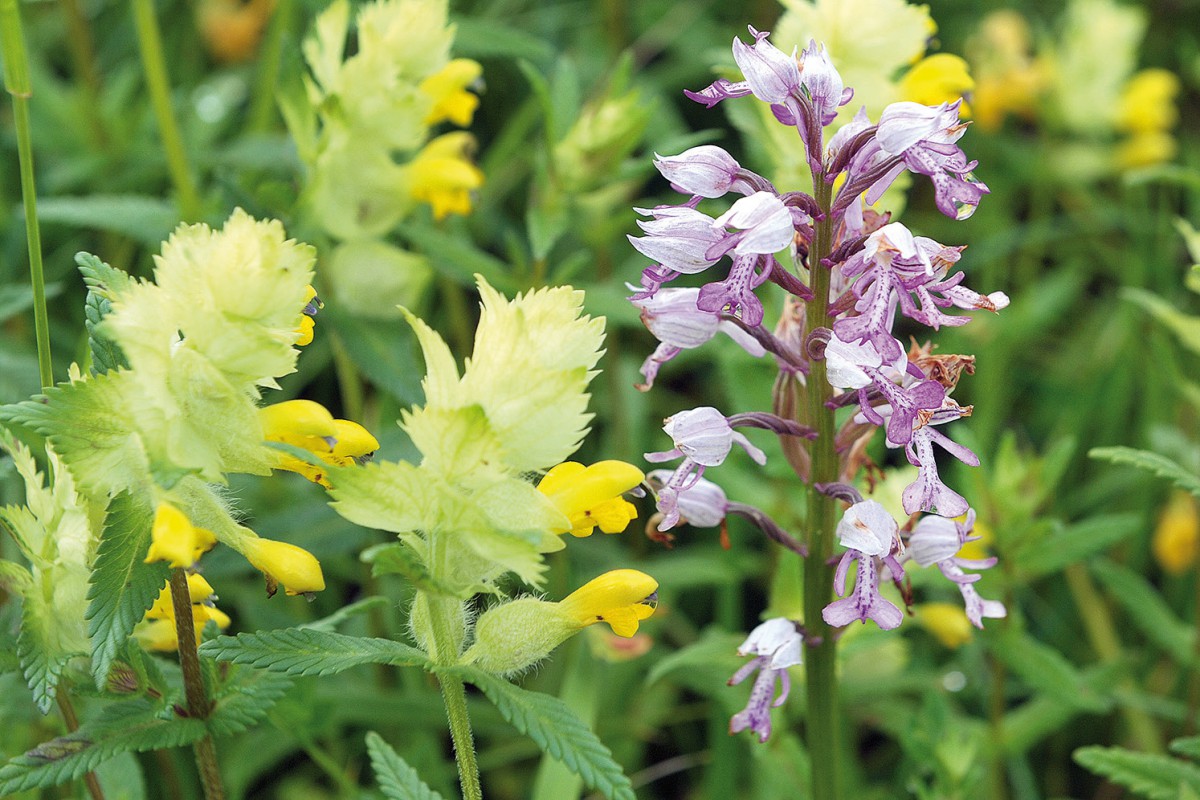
(310, 426)
(1007, 79)
(296, 569)
(448, 89)
(158, 632)
(977, 549)
(622, 598)
(947, 622)
(1147, 112)
(175, 540)
(590, 497)
(232, 29)
(443, 175)
(1177, 536)
(936, 79)
(1146, 149)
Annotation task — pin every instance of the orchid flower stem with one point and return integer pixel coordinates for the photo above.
(445, 653)
(198, 704)
(153, 62)
(820, 658)
(68, 712)
(16, 81)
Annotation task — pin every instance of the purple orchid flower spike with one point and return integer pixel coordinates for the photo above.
(870, 535)
(776, 645)
(675, 320)
(937, 540)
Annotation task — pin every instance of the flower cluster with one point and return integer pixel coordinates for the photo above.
(877, 271)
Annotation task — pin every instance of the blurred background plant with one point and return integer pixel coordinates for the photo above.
(1085, 130)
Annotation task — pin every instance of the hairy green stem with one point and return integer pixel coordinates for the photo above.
(820, 657)
(72, 719)
(198, 704)
(16, 81)
(443, 612)
(155, 65)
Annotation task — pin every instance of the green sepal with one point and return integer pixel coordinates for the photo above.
(397, 780)
(555, 728)
(131, 726)
(303, 651)
(123, 586)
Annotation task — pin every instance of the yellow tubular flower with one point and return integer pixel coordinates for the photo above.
(448, 89)
(1148, 102)
(1177, 534)
(622, 598)
(175, 540)
(305, 331)
(309, 425)
(158, 632)
(294, 567)
(312, 304)
(591, 496)
(936, 79)
(947, 622)
(443, 176)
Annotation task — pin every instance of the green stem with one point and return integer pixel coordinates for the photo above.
(198, 704)
(820, 660)
(262, 107)
(83, 57)
(150, 42)
(69, 716)
(443, 612)
(16, 81)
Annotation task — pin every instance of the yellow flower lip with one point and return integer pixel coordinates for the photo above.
(294, 567)
(296, 421)
(590, 496)
(622, 598)
(310, 426)
(175, 540)
(448, 89)
(442, 175)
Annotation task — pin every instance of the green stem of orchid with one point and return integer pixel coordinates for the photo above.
(16, 81)
(442, 611)
(820, 657)
(198, 704)
(155, 65)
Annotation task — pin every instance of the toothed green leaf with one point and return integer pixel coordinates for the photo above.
(304, 651)
(397, 780)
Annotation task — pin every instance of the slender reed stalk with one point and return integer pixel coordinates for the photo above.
(155, 65)
(72, 719)
(821, 652)
(199, 706)
(83, 58)
(17, 83)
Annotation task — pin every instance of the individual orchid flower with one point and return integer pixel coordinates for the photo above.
(709, 171)
(937, 540)
(871, 536)
(771, 74)
(823, 83)
(776, 645)
(927, 492)
(679, 238)
(675, 320)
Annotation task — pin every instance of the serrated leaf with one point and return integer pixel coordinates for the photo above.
(103, 283)
(303, 651)
(1154, 776)
(1047, 554)
(400, 559)
(41, 662)
(397, 780)
(245, 700)
(123, 586)
(556, 730)
(1147, 610)
(1046, 670)
(132, 725)
(1152, 462)
(88, 425)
